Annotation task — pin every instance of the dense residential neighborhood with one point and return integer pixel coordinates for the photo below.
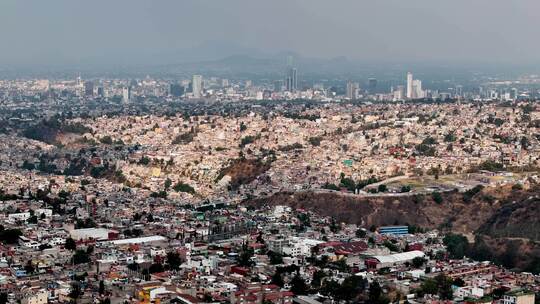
(139, 192)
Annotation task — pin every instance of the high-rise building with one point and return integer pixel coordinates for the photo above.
(399, 93)
(459, 91)
(352, 90)
(197, 86)
(292, 80)
(514, 93)
(417, 91)
(410, 85)
(176, 90)
(372, 85)
(89, 88)
(278, 85)
(224, 83)
(101, 92)
(126, 94)
(79, 80)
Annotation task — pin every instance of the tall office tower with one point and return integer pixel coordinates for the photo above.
(224, 83)
(409, 85)
(176, 90)
(399, 93)
(292, 80)
(196, 86)
(89, 88)
(417, 91)
(372, 85)
(352, 90)
(278, 85)
(514, 93)
(126, 95)
(249, 83)
(100, 91)
(459, 90)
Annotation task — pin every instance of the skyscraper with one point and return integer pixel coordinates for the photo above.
(409, 85)
(417, 91)
(176, 90)
(197, 86)
(224, 83)
(292, 80)
(352, 90)
(372, 85)
(399, 93)
(79, 80)
(126, 95)
(89, 88)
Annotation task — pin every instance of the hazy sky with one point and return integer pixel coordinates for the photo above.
(75, 31)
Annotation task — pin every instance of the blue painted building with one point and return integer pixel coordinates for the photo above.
(394, 230)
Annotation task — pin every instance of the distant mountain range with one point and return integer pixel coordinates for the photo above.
(228, 59)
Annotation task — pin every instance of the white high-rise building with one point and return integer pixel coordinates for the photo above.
(291, 82)
(399, 93)
(352, 90)
(224, 83)
(125, 95)
(417, 91)
(410, 85)
(196, 85)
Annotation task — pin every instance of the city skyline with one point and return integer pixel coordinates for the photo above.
(269, 152)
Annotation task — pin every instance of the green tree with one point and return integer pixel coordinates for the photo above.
(316, 281)
(32, 220)
(70, 244)
(444, 284)
(418, 262)
(391, 246)
(80, 257)
(375, 293)
(361, 233)
(457, 245)
(275, 257)
(168, 183)
(243, 127)
(406, 188)
(429, 286)
(101, 287)
(298, 285)
(174, 260)
(334, 226)
(182, 187)
(437, 197)
(107, 140)
(105, 301)
(459, 282)
(351, 287)
(331, 288)
(315, 141)
(10, 236)
(29, 268)
(277, 279)
(244, 258)
(156, 268)
(75, 291)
